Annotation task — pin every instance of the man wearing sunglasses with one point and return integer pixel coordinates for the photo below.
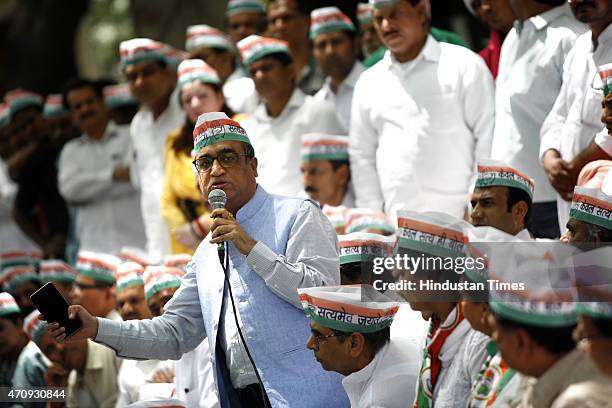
(272, 246)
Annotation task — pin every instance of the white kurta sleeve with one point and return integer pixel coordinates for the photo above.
(550, 133)
(311, 258)
(479, 107)
(363, 144)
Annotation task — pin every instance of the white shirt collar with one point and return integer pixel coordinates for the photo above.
(429, 53)
(365, 374)
(542, 20)
(297, 99)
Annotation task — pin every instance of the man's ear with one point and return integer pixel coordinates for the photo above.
(343, 173)
(253, 165)
(519, 210)
(357, 344)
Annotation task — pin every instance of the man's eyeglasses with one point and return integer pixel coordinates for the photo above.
(226, 159)
(318, 339)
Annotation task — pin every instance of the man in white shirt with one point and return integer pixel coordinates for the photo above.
(151, 73)
(528, 82)
(94, 175)
(335, 49)
(379, 371)
(284, 115)
(420, 119)
(576, 115)
(502, 198)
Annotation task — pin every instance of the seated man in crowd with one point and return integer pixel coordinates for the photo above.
(502, 198)
(86, 369)
(335, 49)
(357, 253)
(494, 375)
(19, 278)
(453, 352)
(32, 363)
(379, 371)
(94, 287)
(533, 327)
(284, 115)
(60, 273)
(13, 340)
(593, 333)
(367, 220)
(325, 169)
(588, 226)
(134, 375)
(193, 377)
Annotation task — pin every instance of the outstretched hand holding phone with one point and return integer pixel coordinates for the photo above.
(88, 330)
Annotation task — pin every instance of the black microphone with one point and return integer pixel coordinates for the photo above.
(217, 199)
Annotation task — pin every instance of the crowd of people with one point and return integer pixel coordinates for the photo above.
(342, 147)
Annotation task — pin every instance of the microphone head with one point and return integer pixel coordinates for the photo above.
(217, 198)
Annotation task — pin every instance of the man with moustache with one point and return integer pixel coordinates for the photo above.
(427, 109)
(94, 174)
(575, 117)
(325, 170)
(273, 246)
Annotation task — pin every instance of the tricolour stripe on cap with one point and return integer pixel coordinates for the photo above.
(327, 20)
(8, 305)
(244, 6)
(255, 47)
(495, 173)
(592, 206)
(54, 107)
(215, 127)
(605, 73)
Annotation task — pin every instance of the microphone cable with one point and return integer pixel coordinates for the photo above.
(224, 258)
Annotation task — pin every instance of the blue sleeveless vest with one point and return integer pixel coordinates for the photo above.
(275, 331)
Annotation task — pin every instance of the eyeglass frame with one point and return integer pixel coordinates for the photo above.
(317, 339)
(225, 166)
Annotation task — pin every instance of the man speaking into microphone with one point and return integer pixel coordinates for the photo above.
(272, 246)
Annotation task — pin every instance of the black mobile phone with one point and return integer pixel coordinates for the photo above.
(54, 308)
